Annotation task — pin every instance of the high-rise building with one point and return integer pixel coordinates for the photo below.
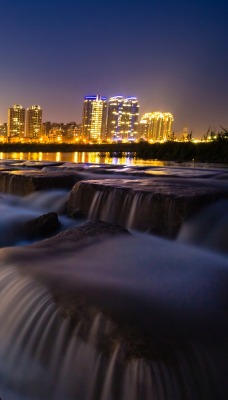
(114, 121)
(3, 129)
(16, 121)
(130, 118)
(33, 122)
(123, 114)
(94, 118)
(156, 126)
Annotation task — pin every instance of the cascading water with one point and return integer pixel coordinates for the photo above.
(208, 229)
(149, 315)
(44, 357)
(150, 205)
(15, 211)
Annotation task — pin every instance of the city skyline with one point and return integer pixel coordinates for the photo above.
(79, 121)
(114, 119)
(172, 56)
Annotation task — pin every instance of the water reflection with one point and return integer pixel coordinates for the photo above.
(81, 157)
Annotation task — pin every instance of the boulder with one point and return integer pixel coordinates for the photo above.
(41, 227)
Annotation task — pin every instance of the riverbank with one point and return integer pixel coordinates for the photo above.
(215, 152)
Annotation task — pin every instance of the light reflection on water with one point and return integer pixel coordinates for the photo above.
(81, 157)
(102, 158)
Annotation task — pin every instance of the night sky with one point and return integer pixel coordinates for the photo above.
(172, 55)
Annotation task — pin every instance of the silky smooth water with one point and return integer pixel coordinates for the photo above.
(150, 322)
(15, 211)
(175, 293)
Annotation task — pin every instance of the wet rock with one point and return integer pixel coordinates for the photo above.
(153, 205)
(41, 164)
(78, 214)
(153, 297)
(66, 242)
(25, 182)
(41, 227)
(76, 238)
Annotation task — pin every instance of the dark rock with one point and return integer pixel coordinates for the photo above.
(76, 238)
(25, 182)
(41, 164)
(42, 226)
(159, 206)
(68, 241)
(78, 214)
(142, 306)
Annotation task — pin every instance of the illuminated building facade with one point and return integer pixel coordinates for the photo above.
(94, 118)
(70, 132)
(16, 121)
(130, 118)
(34, 122)
(114, 122)
(156, 126)
(123, 115)
(3, 130)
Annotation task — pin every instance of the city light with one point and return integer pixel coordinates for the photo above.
(156, 126)
(115, 120)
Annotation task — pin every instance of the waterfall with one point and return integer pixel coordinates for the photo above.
(209, 228)
(47, 355)
(138, 209)
(44, 357)
(84, 316)
(15, 211)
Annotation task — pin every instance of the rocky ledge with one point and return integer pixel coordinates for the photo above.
(156, 205)
(24, 182)
(153, 298)
(152, 199)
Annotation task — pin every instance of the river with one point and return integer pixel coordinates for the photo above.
(82, 157)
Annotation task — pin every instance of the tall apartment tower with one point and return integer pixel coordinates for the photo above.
(16, 121)
(123, 115)
(156, 126)
(114, 121)
(33, 122)
(130, 118)
(94, 118)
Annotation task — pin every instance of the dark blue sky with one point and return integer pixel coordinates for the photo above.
(172, 55)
